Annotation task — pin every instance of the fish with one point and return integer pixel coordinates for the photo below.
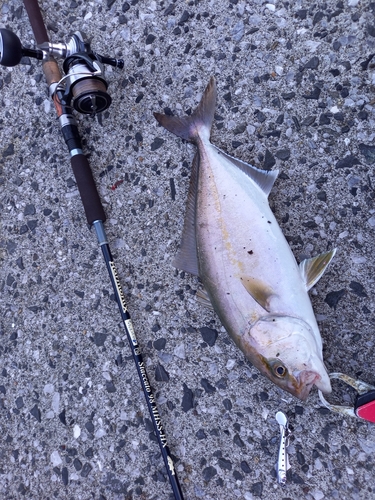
(233, 243)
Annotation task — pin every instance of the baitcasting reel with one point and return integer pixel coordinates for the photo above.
(83, 85)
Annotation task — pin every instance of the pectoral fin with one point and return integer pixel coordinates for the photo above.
(260, 292)
(313, 269)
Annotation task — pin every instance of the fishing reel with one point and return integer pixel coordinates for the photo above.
(84, 86)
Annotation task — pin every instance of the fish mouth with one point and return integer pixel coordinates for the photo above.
(307, 379)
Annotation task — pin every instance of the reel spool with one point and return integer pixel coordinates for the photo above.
(87, 88)
(90, 96)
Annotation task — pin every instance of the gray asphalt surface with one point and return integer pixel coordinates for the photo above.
(295, 92)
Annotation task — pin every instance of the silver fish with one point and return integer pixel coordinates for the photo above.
(232, 241)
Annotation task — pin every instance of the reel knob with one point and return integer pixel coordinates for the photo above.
(11, 51)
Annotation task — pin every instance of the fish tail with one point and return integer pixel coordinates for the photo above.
(199, 123)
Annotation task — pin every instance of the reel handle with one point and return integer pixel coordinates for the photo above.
(12, 51)
(10, 48)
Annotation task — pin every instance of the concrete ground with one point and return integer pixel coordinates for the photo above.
(295, 92)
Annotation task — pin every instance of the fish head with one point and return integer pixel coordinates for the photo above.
(287, 353)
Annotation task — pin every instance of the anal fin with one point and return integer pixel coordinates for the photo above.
(187, 257)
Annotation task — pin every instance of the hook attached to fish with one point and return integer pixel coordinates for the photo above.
(364, 406)
(283, 460)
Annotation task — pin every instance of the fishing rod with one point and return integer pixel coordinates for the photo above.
(84, 88)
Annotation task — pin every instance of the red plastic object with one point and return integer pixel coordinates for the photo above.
(366, 411)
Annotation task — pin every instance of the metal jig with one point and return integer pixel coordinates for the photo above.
(283, 460)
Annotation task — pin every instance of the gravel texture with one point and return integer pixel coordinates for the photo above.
(295, 92)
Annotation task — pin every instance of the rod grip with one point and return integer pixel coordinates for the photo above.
(87, 189)
(36, 20)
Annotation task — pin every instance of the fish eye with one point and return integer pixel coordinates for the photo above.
(280, 371)
(278, 368)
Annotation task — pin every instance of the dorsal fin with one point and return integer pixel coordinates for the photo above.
(265, 179)
(313, 269)
(187, 258)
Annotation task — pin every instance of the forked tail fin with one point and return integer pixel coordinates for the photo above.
(199, 123)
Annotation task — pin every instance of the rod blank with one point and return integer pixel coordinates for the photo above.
(138, 360)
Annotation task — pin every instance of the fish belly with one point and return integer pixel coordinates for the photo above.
(239, 238)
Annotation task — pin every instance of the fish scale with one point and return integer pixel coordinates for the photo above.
(232, 241)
